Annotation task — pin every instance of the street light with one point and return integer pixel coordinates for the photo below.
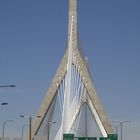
(116, 128)
(4, 103)
(49, 124)
(23, 130)
(7, 86)
(30, 124)
(3, 126)
(77, 131)
(121, 125)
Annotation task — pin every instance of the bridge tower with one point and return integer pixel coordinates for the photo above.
(71, 89)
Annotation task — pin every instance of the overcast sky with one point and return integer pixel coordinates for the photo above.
(33, 36)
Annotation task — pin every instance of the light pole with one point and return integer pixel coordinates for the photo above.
(3, 126)
(4, 104)
(30, 128)
(116, 128)
(121, 125)
(49, 124)
(22, 132)
(77, 131)
(30, 125)
(7, 86)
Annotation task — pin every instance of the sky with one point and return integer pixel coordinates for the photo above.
(33, 38)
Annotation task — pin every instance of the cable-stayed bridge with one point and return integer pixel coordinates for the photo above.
(71, 103)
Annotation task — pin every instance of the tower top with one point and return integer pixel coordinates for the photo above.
(73, 6)
(72, 23)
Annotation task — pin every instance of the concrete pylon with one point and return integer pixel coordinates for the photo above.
(93, 102)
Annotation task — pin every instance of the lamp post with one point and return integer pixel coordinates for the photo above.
(3, 126)
(30, 124)
(30, 128)
(116, 128)
(77, 131)
(121, 125)
(22, 132)
(49, 124)
(7, 86)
